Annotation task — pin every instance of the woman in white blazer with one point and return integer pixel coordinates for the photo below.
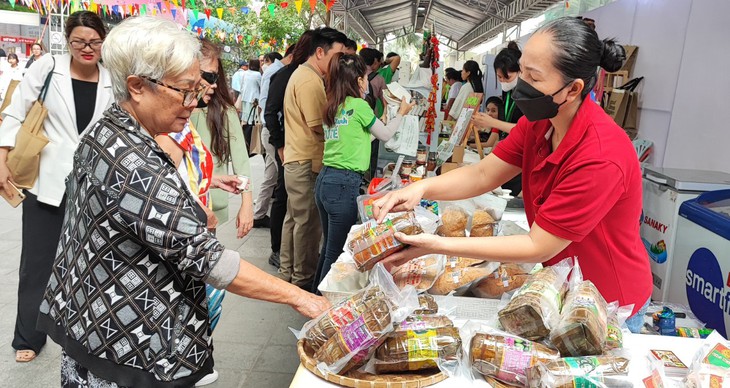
(79, 93)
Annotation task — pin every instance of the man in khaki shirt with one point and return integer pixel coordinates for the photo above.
(304, 102)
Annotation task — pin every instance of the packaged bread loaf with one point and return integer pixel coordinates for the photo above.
(374, 242)
(358, 337)
(453, 222)
(617, 316)
(482, 224)
(582, 328)
(413, 350)
(571, 372)
(341, 314)
(427, 305)
(450, 280)
(424, 322)
(455, 262)
(421, 272)
(354, 328)
(535, 308)
(506, 357)
(506, 278)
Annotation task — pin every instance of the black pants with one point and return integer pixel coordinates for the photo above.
(41, 231)
(278, 207)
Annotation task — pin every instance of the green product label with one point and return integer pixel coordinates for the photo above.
(719, 356)
(582, 369)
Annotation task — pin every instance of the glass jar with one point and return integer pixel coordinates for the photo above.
(422, 155)
(431, 166)
(406, 168)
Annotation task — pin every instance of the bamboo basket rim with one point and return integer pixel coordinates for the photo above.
(416, 382)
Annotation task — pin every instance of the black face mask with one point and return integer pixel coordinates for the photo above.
(535, 104)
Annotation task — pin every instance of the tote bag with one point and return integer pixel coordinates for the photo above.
(24, 160)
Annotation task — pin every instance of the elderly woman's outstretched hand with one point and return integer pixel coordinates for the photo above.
(310, 305)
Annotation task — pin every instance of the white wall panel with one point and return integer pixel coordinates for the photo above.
(699, 134)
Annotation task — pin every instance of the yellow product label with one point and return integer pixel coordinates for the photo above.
(422, 345)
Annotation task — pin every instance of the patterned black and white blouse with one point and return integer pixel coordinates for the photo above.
(126, 299)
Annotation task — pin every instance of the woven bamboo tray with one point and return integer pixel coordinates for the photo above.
(357, 379)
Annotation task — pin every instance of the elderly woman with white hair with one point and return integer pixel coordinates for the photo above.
(126, 299)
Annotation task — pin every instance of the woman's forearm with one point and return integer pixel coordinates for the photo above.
(252, 282)
(503, 126)
(247, 199)
(536, 247)
(517, 249)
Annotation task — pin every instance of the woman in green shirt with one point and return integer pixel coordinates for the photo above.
(348, 124)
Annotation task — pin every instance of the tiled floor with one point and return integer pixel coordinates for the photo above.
(253, 345)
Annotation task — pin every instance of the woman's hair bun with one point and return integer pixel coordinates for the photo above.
(513, 45)
(613, 55)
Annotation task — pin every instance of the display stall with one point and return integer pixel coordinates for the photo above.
(459, 322)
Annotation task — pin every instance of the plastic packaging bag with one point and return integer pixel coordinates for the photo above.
(503, 356)
(365, 205)
(373, 243)
(347, 333)
(571, 372)
(460, 279)
(424, 322)
(426, 305)
(486, 201)
(483, 223)
(454, 262)
(417, 349)
(506, 278)
(534, 310)
(617, 316)
(421, 272)
(582, 328)
(711, 365)
(454, 221)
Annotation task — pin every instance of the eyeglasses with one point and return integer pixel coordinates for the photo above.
(80, 44)
(209, 77)
(189, 96)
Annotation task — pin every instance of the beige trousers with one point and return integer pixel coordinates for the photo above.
(302, 231)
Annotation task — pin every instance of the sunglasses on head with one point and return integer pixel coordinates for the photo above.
(209, 77)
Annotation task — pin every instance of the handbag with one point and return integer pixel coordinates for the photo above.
(24, 160)
(252, 132)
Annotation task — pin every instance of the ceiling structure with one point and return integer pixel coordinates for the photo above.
(464, 23)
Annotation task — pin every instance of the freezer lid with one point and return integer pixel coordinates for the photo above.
(688, 180)
(710, 210)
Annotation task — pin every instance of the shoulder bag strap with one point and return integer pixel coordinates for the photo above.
(250, 113)
(44, 90)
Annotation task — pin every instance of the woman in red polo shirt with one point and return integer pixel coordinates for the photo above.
(581, 175)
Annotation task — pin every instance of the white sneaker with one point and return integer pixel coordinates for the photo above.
(208, 379)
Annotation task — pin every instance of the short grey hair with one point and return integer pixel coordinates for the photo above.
(147, 46)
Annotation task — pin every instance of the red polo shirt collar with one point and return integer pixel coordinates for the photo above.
(572, 139)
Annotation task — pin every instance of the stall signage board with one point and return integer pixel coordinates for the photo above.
(16, 39)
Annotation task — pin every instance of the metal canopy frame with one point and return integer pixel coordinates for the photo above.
(464, 23)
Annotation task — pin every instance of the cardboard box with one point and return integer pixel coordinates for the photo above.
(631, 53)
(458, 155)
(448, 166)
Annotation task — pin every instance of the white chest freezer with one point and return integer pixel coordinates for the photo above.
(665, 190)
(700, 274)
